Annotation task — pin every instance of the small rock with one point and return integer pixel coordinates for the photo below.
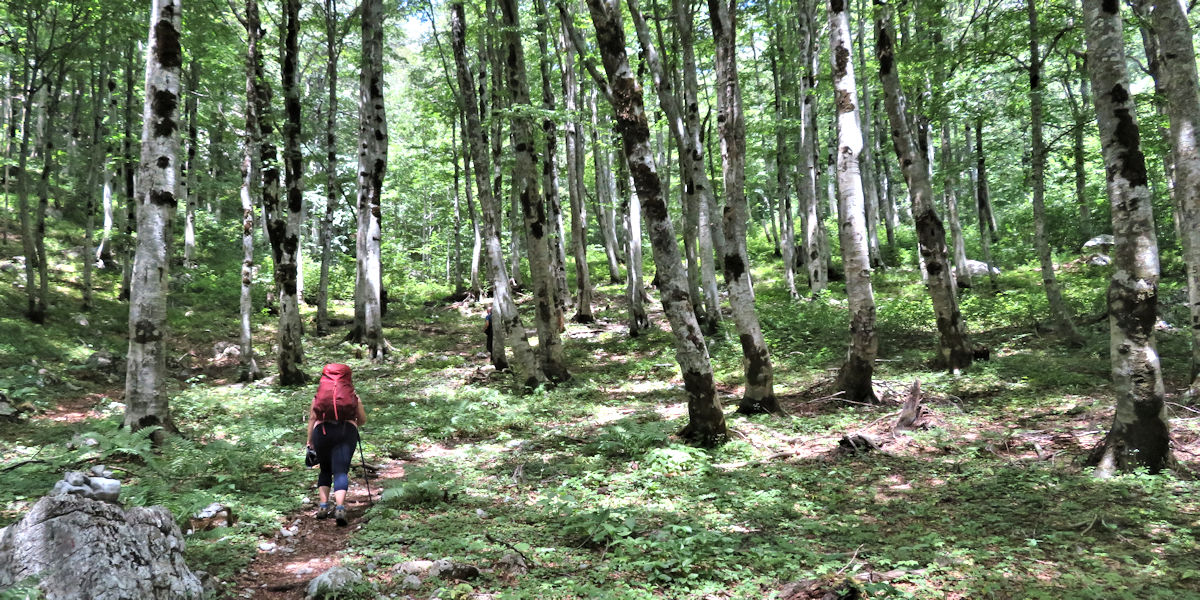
(267, 546)
(411, 582)
(482, 514)
(413, 567)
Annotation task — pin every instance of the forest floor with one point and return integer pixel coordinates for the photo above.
(988, 497)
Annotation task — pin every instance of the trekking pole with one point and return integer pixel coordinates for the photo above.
(364, 466)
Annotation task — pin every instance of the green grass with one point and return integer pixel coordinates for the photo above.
(587, 480)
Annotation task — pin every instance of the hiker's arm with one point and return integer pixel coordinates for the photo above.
(312, 420)
(361, 417)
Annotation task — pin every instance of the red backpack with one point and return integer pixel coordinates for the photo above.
(335, 399)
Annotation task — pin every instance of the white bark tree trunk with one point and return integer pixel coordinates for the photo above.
(372, 165)
(290, 216)
(506, 321)
(1178, 71)
(538, 228)
(251, 179)
(1058, 307)
(759, 396)
(145, 378)
(575, 187)
(855, 376)
(706, 420)
(815, 265)
(955, 348)
(1140, 433)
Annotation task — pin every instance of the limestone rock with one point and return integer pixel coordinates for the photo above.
(79, 547)
(1103, 243)
(330, 583)
(95, 487)
(978, 268)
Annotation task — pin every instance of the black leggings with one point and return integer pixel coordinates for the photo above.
(334, 442)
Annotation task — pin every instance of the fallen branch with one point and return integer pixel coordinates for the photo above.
(491, 538)
(23, 463)
(851, 561)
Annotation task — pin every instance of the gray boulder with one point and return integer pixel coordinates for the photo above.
(331, 583)
(978, 268)
(1101, 243)
(74, 546)
(96, 487)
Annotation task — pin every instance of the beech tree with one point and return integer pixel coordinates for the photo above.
(533, 206)
(759, 395)
(1058, 307)
(506, 321)
(145, 377)
(854, 378)
(372, 165)
(706, 421)
(955, 349)
(1180, 84)
(285, 225)
(251, 183)
(1140, 434)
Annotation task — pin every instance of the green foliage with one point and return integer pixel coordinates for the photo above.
(422, 486)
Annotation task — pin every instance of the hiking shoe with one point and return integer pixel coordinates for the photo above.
(324, 512)
(339, 514)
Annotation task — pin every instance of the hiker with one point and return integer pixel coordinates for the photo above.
(487, 329)
(333, 422)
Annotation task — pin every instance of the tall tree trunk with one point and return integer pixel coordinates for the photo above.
(146, 402)
(871, 193)
(706, 421)
(708, 226)
(504, 309)
(983, 203)
(783, 169)
(128, 172)
(476, 233)
(605, 219)
(251, 182)
(575, 187)
(887, 188)
(30, 84)
(533, 205)
(96, 165)
(759, 396)
(679, 134)
(950, 192)
(816, 266)
(1178, 71)
(189, 168)
(553, 202)
(53, 101)
(1078, 157)
(1058, 307)
(1154, 59)
(372, 165)
(631, 206)
(333, 189)
(1140, 434)
(955, 348)
(855, 376)
(289, 217)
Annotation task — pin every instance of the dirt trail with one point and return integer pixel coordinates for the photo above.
(284, 565)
